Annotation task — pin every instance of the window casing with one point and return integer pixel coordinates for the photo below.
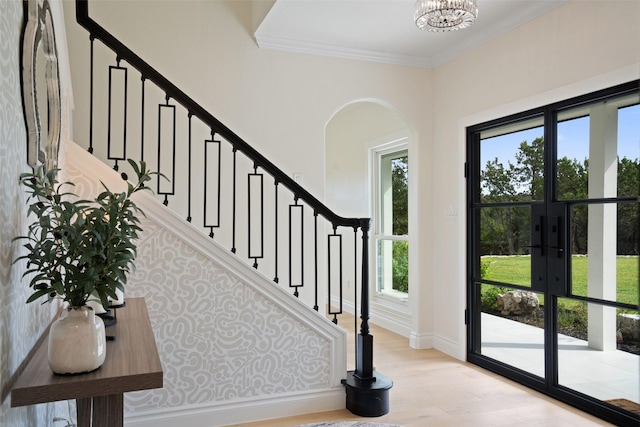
(390, 243)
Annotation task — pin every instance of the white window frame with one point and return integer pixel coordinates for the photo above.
(376, 153)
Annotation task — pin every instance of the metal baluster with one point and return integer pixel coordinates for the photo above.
(337, 236)
(291, 210)
(173, 142)
(90, 149)
(219, 180)
(189, 115)
(315, 245)
(124, 114)
(275, 279)
(143, 80)
(206, 197)
(255, 176)
(233, 208)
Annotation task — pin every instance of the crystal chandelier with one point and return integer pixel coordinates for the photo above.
(445, 15)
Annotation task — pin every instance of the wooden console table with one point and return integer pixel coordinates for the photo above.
(132, 363)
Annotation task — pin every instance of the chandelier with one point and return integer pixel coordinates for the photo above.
(445, 15)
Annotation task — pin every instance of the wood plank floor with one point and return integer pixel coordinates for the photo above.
(433, 389)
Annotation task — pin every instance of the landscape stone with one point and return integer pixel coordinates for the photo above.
(629, 326)
(517, 302)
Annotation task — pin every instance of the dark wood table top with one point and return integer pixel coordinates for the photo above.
(132, 363)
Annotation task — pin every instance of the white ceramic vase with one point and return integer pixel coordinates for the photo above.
(77, 342)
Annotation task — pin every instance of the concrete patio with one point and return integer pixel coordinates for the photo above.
(604, 375)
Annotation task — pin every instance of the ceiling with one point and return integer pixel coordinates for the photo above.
(384, 30)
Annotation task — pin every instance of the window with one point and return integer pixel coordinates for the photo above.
(391, 220)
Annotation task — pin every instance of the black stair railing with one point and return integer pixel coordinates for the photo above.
(367, 390)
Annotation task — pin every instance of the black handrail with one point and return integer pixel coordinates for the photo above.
(172, 91)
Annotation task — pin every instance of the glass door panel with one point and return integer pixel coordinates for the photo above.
(600, 141)
(599, 351)
(604, 252)
(505, 244)
(511, 162)
(513, 327)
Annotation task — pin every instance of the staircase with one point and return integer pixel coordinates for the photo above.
(235, 347)
(239, 267)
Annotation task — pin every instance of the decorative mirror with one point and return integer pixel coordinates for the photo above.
(40, 85)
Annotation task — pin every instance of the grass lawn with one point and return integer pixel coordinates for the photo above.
(517, 270)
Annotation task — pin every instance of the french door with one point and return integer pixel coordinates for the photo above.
(553, 245)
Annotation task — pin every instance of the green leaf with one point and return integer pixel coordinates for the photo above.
(34, 296)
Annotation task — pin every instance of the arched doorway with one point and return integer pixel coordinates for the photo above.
(367, 150)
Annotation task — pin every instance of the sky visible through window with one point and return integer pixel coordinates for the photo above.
(573, 139)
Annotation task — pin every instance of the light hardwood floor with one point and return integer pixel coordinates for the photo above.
(433, 389)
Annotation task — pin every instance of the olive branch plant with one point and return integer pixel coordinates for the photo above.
(77, 248)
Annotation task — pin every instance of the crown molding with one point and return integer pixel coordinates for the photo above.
(297, 46)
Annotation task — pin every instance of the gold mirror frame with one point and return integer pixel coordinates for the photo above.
(38, 38)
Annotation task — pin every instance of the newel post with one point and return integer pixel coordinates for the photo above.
(367, 390)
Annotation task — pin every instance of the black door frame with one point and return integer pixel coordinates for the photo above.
(557, 267)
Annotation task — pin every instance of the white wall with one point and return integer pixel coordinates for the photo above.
(349, 135)
(21, 324)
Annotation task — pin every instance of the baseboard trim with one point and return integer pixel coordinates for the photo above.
(228, 413)
(450, 347)
(420, 341)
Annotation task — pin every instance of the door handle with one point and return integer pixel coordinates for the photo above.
(537, 234)
(555, 235)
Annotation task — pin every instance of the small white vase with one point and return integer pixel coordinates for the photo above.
(119, 300)
(77, 342)
(95, 304)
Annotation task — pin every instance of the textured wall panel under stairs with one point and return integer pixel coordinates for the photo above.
(235, 347)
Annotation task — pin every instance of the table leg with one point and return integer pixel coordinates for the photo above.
(108, 411)
(100, 412)
(83, 412)
(116, 410)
